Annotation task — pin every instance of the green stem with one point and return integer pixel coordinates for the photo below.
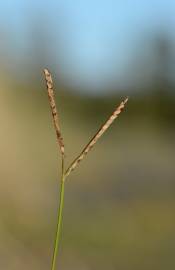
(59, 219)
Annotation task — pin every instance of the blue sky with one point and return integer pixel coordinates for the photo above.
(97, 37)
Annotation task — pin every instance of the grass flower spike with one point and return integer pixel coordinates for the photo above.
(49, 83)
(97, 136)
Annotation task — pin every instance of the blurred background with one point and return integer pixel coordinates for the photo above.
(120, 202)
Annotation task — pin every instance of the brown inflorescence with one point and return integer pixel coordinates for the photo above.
(49, 83)
(99, 133)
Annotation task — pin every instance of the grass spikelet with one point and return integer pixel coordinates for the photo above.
(50, 90)
(97, 136)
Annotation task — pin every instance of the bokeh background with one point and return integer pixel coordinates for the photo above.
(120, 202)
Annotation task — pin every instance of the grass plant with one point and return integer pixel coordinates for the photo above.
(66, 172)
